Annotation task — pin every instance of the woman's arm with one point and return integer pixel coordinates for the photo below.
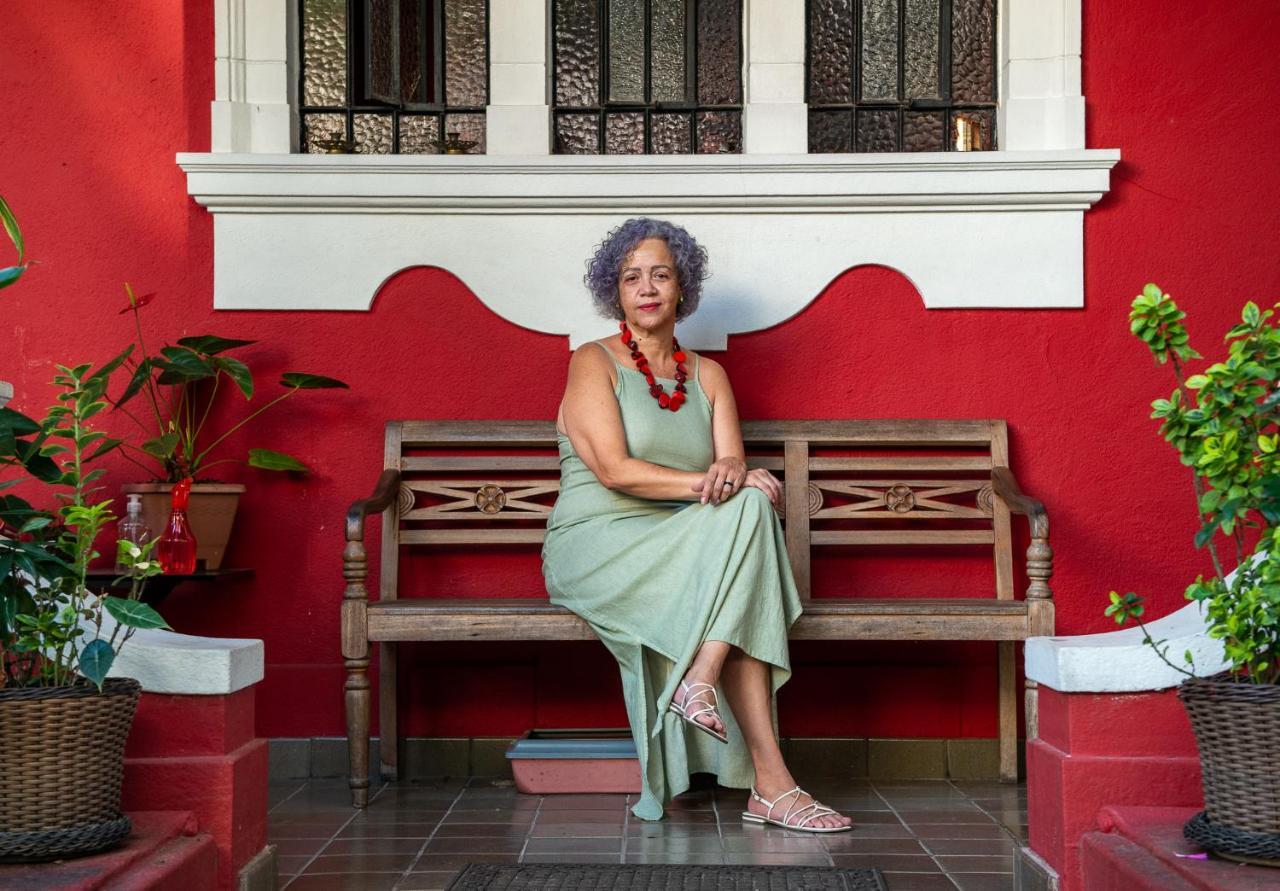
(594, 425)
(726, 433)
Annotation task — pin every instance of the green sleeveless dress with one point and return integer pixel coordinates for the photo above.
(655, 579)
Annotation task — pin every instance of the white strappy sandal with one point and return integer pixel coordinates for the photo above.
(688, 714)
(802, 817)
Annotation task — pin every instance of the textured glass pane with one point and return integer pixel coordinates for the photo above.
(879, 49)
(466, 68)
(921, 76)
(877, 130)
(317, 128)
(924, 131)
(830, 131)
(626, 50)
(577, 50)
(624, 134)
(669, 134)
(830, 52)
(986, 126)
(719, 36)
(666, 59)
(973, 31)
(419, 135)
(719, 132)
(412, 89)
(469, 127)
(324, 52)
(373, 134)
(577, 134)
(381, 73)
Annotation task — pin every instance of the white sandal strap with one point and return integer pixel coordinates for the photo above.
(815, 809)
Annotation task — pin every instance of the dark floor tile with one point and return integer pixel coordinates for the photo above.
(915, 881)
(873, 830)
(362, 862)
(655, 829)
(293, 847)
(897, 862)
(573, 846)
(702, 859)
(996, 846)
(353, 881)
(976, 863)
(682, 845)
(861, 818)
(291, 864)
(480, 844)
(426, 881)
(584, 802)
(852, 844)
(374, 846)
(790, 841)
(777, 858)
(578, 816)
(399, 815)
(689, 817)
(976, 881)
(440, 862)
(957, 830)
(572, 830)
(491, 815)
(388, 830)
(479, 830)
(571, 858)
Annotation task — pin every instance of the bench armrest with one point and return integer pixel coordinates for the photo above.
(1039, 554)
(384, 494)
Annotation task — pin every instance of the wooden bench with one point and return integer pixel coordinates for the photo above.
(868, 483)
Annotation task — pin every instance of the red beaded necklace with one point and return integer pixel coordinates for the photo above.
(676, 399)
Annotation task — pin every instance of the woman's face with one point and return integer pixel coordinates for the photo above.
(647, 285)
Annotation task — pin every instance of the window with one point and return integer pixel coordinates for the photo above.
(893, 75)
(393, 76)
(647, 76)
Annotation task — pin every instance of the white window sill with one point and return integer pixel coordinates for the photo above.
(983, 229)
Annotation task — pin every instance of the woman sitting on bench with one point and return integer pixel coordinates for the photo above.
(666, 544)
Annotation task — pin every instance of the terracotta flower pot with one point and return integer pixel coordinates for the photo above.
(211, 513)
(62, 759)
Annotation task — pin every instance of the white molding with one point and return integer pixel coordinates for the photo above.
(997, 229)
(6, 392)
(254, 43)
(184, 664)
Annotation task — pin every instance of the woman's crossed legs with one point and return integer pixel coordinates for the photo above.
(745, 682)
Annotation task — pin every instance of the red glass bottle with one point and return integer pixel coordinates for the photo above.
(176, 549)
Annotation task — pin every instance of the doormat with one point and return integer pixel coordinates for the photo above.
(661, 877)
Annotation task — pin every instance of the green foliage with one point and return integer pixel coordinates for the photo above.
(1223, 422)
(10, 274)
(181, 385)
(51, 624)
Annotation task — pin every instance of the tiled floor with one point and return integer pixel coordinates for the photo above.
(922, 835)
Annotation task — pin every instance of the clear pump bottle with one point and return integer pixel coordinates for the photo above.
(133, 528)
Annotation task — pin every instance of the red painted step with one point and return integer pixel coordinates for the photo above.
(165, 851)
(1137, 848)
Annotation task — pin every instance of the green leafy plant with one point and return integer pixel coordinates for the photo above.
(10, 274)
(51, 624)
(180, 385)
(1223, 422)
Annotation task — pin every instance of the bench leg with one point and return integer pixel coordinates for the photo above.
(357, 701)
(1008, 678)
(388, 728)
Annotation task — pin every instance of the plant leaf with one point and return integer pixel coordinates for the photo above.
(162, 446)
(133, 613)
(310, 381)
(266, 459)
(181, 365)
(95, 661)
(10, 274)
(103, 448)
(211, 345)
(16, 424)
(237, 371)
(11, 226)
(111, 366)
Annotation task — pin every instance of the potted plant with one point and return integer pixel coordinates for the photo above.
(180, 386)
(1224, 424)
(63, 722)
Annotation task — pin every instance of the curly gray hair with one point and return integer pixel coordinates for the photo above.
(604, 267)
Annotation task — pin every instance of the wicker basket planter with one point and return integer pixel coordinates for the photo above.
(62, 759)
(1237, 728)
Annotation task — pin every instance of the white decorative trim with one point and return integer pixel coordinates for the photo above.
(254, 41)
(994, 229)
(6, 392)
(1119, 662)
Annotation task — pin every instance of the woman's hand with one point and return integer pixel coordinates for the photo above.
(722, 479)
(766, 482)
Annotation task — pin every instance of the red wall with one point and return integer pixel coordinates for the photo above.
(96, 106)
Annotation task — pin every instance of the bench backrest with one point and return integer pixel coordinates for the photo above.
(847, 482)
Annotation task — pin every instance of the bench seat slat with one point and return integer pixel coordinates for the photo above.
(943, 618)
